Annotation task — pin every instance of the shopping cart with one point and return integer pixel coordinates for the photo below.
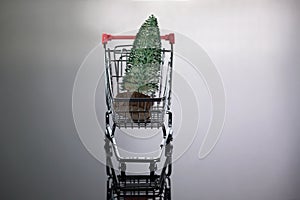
(139, 112)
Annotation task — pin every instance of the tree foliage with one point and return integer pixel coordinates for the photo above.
(143, 66)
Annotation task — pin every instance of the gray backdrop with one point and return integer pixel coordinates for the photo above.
(254, 45)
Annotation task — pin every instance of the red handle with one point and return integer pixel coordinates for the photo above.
(107, 37)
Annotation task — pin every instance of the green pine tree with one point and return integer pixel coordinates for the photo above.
(143, 65)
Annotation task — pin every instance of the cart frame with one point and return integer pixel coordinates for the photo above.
(125, 186)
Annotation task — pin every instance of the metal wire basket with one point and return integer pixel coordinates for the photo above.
(131, 109)
(139, 187)
(136, 110)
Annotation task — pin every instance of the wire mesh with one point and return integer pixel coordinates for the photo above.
(133, 109)
(138, 187)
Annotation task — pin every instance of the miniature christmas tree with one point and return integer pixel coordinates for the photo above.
(143, 66)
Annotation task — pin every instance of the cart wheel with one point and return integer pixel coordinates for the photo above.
(167, 195)
(109, 190)
(109, 194)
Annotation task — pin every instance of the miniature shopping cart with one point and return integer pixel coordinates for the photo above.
(138, 112)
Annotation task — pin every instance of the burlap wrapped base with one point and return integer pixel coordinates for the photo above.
(135, 107)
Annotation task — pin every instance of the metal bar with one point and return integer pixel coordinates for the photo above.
(139, 99)
(107, 37)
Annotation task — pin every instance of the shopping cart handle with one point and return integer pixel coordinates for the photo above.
(107, 37)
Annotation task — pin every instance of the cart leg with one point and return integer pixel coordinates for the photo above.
(109, 190)
(167, 195)
(123, 170)
(153, 168)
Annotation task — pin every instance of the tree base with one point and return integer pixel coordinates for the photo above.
(135, 106)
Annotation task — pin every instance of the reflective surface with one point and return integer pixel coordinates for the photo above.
(254, 45)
